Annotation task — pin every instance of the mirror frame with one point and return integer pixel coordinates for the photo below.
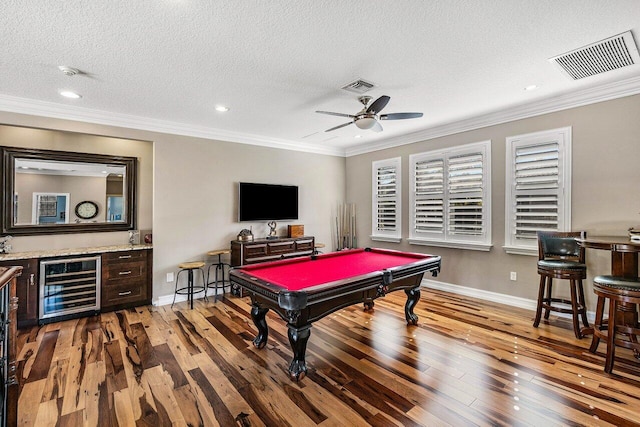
(10, 154)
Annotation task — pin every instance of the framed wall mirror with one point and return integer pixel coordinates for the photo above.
(50, 192)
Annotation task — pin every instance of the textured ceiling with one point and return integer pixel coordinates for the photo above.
(166, 64)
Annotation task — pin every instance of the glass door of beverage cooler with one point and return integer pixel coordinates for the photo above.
(69, 286)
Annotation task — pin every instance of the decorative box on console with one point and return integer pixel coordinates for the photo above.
(295, 230)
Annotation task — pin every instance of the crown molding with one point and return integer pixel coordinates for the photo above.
(605, 92)
(58, 111)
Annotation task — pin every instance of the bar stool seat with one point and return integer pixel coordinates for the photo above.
(190, 289)
(621, 328)
(560, 257)
(219, 267)
(316, 247)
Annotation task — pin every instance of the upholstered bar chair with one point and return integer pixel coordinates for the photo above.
(621, 328)
(560, 257)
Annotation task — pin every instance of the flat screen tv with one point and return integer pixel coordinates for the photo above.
(267, 202)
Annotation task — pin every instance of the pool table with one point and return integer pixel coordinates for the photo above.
(303, 290)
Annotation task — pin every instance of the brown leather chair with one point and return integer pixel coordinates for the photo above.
(560, 257)
(621, 328)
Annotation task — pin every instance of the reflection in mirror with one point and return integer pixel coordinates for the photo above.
(48, 192)
(56, 185)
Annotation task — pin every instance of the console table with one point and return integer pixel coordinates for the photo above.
(263, 250)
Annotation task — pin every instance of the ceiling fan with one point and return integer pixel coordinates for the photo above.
(368, 117)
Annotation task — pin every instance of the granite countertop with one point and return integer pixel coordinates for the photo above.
(71, 251)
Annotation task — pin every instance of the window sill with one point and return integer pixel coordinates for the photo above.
(386, 239)
(472, 246)
(519, 250)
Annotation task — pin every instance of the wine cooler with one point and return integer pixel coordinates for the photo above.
(69, 286)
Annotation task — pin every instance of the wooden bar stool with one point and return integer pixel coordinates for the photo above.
(190, 289)
(219, 267)
(621, 328)
(560, 257)
(316, 247)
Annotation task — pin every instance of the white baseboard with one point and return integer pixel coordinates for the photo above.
(510, 300)
(168, 299)
(527, 304)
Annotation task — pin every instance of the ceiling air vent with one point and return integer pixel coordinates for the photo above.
(597, 58)
(359, 86)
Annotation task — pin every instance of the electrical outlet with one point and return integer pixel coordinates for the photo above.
(513, 276)
(169, 277)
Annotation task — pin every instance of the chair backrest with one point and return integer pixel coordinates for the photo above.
(561, 245)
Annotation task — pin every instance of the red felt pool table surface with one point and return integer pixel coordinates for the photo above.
(304, 273)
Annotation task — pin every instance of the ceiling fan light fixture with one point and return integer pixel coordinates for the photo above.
(366, 122)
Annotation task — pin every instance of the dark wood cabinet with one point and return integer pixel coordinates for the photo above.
(126, 282)
(263, 250)
(126, 279)
(9, 381)
(26, 291)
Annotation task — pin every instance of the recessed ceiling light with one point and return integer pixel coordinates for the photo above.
(358, 136)
(222, 108)
(70, 94)
(531, 87)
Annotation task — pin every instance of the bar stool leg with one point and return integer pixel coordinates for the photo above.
(543, 283)
(611, 336)
(597, 327)
(175, 292)
(190, 287)
(574, 309)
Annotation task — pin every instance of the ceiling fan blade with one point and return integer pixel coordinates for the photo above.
(338, 127)
(335, 114)
(377, 127)
(378, 104)
(400, 116)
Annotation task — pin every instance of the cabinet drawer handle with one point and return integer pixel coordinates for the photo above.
(124, 256)
(124, 293)
(32, 279)
(124, 273)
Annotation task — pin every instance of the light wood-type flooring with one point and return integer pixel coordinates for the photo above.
(467, 362)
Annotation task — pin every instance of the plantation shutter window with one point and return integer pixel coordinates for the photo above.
(429, 193)
(465, 195)
(386, 178)
(449, 197)
(538, 187)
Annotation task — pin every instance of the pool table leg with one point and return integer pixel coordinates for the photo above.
(413, 296)
(298, 338)
(258, 316)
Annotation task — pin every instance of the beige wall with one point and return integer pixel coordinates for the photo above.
(605, 195)
(78, 188)
(190, 185)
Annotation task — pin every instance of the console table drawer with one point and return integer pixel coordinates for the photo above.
(278, 248)
(255, 251)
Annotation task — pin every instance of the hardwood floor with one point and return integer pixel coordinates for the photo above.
(467, 362)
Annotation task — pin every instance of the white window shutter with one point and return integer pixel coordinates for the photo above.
(465, 210)
(450, 197)
(429, 196)
(538, 193)
(386, 209)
